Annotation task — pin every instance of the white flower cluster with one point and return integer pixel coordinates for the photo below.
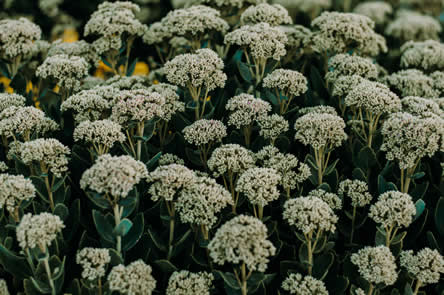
(426, 266)
(421, 107)
(298, 36)
(172, 103)
(231, 158)
(200, 201)
(202, 69)
(113, 175)
(17, 37)
(14, 189)
(168, 180)
(344, 84)
(11, 99)
(340, 32)
(296, 284)
(413, 82)
(356, 190)
(310, 214)
(102, 132)
(166, 159)
(137, 106)
(67, 71)
(25, 121)
(320, 109)
(378, 11)
(132, 279)
(187, 283)
(205, 131)
(134, 82)
(332, 199)
(408, 138)
(413, 26)
(261, 40)
(272, 14)
(393, 209)
(373, 97)
(348, 65)
(289, 82)
(320, 130)
(93, 262)
(47, 151)
(245, 109)
(77, 48)
(259, 185)
(427, 55)
(3, 287)
(272, 126)
(242, 239)
(3, 167)
(38, 230)
(376, 265)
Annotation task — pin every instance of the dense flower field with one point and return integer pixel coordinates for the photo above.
(221, 147)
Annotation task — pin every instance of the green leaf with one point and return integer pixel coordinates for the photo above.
(160, 244)
(183, 238)
(58, 184)
(359, 174)
(433, 243)
(418, 175)
(322, 265)
(41, 286)
(398, 238)
(150, 164)
(134, 234)
(244, 71)
(384, 186)
(166, 266)
(420, 206)
(116, 258)
(439, 216)
(131, 68)
(123, 227)
(98, 200)
(104, 228)
(228, 278)
(62, 211)
(331, 168)
(366, 158)
(15, 265)
(408, 289)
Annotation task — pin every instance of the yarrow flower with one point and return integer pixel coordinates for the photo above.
(166, 159)
(38, 230)
(17, 38)
(356, 190)
(200, 201)
(290, 83)
(332, 199)
(240, 240)
(93, 262)
(348, 65)
(115, 176)
(421, 107)
(204, 131)
(310, 214)
(298, 285)
(11, 99)
(15, 189)
(66, 71)
(271, 127)
(376, 265)
(413, 82)
(427, 55)
(413, 26)
(426, 266)
(172, 103)
(102, 134)
(378, 11)
(245, 109)
(50, 153)
(78, 48)
(393, 209)
(168, 180)
(272, 14)
(230, 158)
(132, 279)
(187, 283)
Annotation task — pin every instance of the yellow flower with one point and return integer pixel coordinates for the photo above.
(70, 35)
(5, 81)
(141, 68)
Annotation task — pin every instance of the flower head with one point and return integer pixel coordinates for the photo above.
(14, 189)
(421, 107)
(77, 48)
(378, 11)
(356, 190)
(172, 103)
(187, 283)
(393, 209)
(17, 37)
(205, 131)
(298, 285)
(11, 99)
(272, 14)
(245, 109)
(272, 126)
(166, 159)
(413, 82)
(348, 65)
(426, 266)
(231, 158)
(427, 55)
(93, 262)
(131, 279)
(287, 81)
(333, 200)
(319, 109)
(259, 185)
(102, 132)
(414, 26)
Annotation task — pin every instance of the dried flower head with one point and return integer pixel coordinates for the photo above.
(11, 99)
(320, 130)
(333, 200)
(376, 265)
(421, 107)
(137, 106)
(205, 131)
(259, 185)
(200, 201)
(348, 65)
(168, 180)
(99, 133)
(298, 285)
(38, 230)
(202, 69)
(187, 283)
(408, 138)
(166, 159)
(14, 189)
(337, 32)
(378, 11)
(272, 14)
(132, 279)
(272, 126)
(66, 71)
(373, 97)
(172, 103)
(413, 82)
(17, 37)
(24, 122)
(245, 109)
(48, 152)
(310, 214)
(93, 262)
(356, 190)
(413, 26)
(426, 266)
(289, 82)
(231, 158)
(393, 209)
(427, 55)
(113, 175)
(242, 239)
(261, 40)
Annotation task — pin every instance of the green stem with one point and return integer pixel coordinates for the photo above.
(417, 286)
(370, 289)
(353, 225)
(244, 280)
(48, 273)
(117, 221)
